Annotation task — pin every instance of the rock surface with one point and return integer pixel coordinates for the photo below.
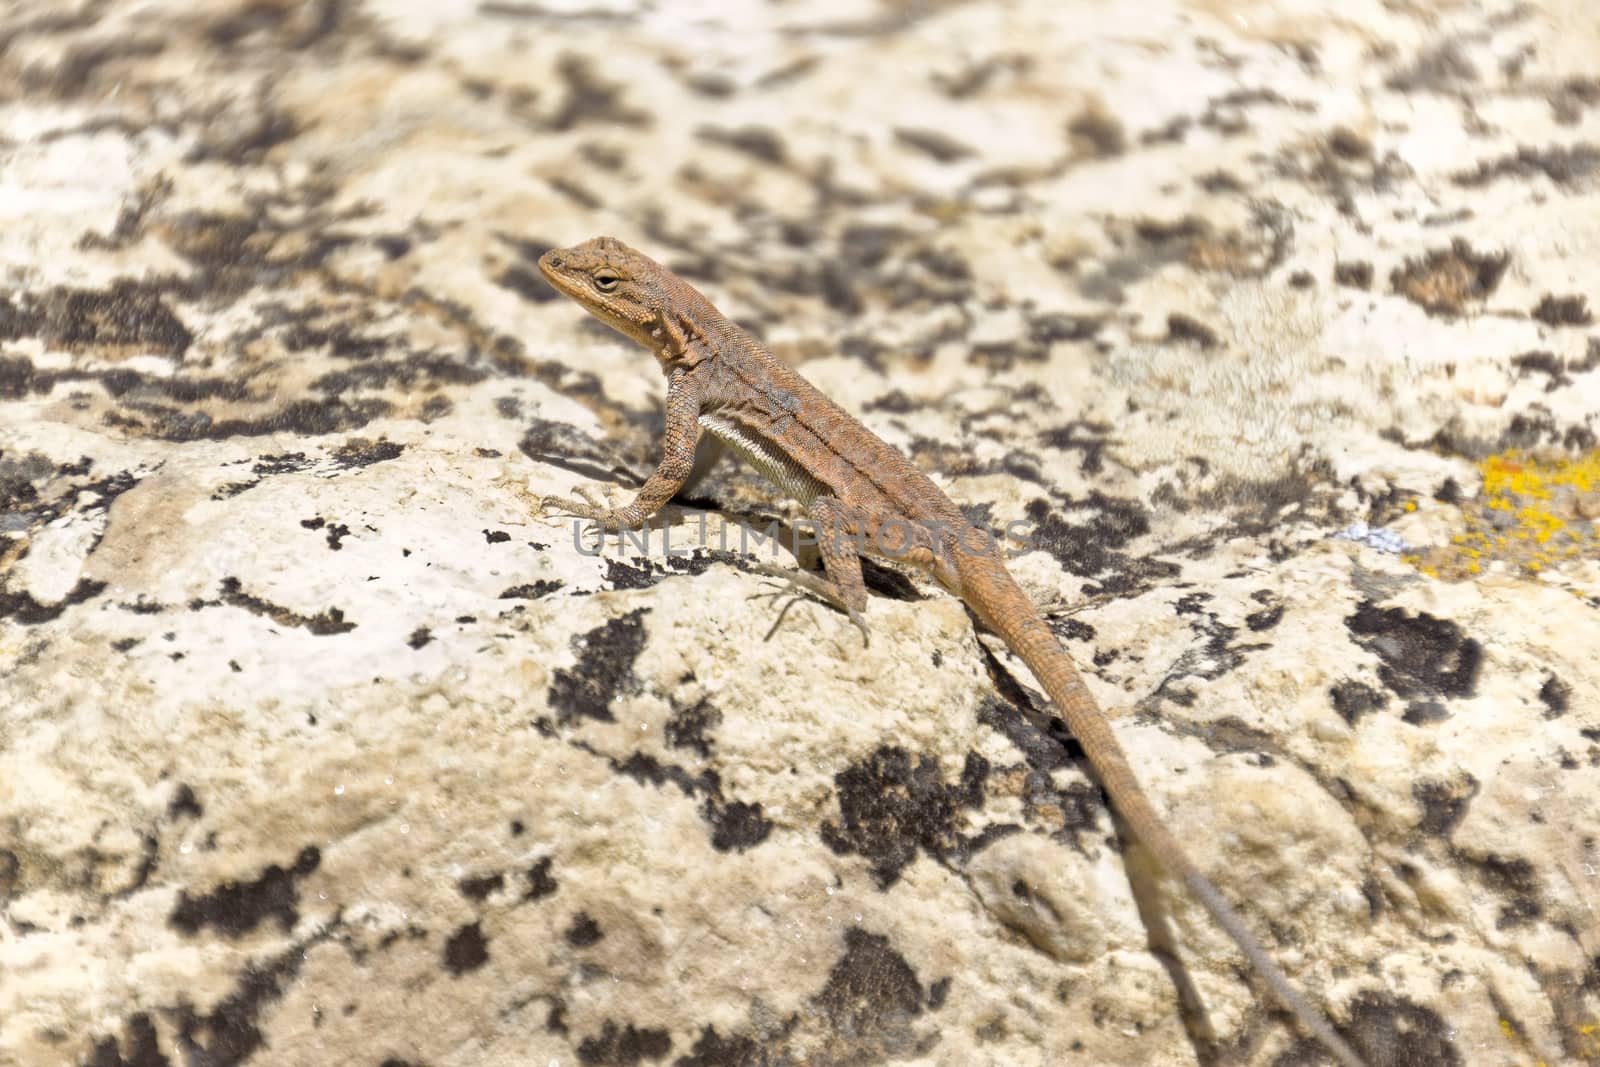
(318, 744)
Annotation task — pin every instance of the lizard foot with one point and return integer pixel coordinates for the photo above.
(820, 588)
(587, 506)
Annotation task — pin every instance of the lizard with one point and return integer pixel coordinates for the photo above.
(862, 495)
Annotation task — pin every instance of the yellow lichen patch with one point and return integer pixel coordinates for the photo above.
(1535, 514)
(1589, 1033)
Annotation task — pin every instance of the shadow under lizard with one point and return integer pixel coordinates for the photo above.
(862, 495)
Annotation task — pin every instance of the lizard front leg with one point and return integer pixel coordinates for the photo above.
(678, 443)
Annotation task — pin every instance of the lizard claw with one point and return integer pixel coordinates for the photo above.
(861, 624)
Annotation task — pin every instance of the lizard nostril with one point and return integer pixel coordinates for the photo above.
(552, 259)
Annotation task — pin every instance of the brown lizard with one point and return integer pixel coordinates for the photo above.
(861, 494)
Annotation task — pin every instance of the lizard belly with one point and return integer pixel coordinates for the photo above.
(774, 464)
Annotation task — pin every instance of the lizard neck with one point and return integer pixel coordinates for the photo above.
(684, 338)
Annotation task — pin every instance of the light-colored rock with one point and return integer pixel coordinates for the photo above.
(320, 744)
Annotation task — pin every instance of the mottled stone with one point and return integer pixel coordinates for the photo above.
(319, 744)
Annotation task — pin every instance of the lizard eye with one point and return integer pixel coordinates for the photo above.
(605, 281)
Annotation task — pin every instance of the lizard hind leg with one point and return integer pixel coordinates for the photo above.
(841, 585)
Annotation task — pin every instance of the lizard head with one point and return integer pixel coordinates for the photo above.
(622, 288)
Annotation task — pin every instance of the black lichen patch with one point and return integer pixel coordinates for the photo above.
(184, 804)
(359, 452)
(863, 1014)
(1049, 327)
(590, 99)
(1353, 699)
(762, 142)
(412, 372)
(1097, 134)
(256, 21)
(235, 908)
(642, 767)
(623, 1046)
(19, 320)
(1444, 280)
(935, 144)
(420, 637)
(1555, 310)
(1213, 656)
(583, 931)
(1354, 275)
(233, 254)
(1544, 363)
(1563, 164)
(230, 1032)
(29, 612)
(1443, 68)
(736, 826)
(1182, 329)
(540, 882)
(688, 727)
(1444, 804)
(604, 669)
(18, 378)
(1422, 658)
(481, 886)
(533, 591)
(1556, 695)
(1424, 712)
(265, 467)
(736, 1050)
(1513, 878)
(1264, 619)
(323, 624)
(1083, 436)
(639, 574)
(1044, 743)
(526, 283)
(889, 808)
(466, 950)
(339, 339)
(141, 1049)
(1088, 546)
(1385, 1029)
(871, 997)
(126, 316)
(1569, 100)
(20, 480)
(308, 418)
(248, 140)
(1149, 244)
(1271, 612)
(901, 268)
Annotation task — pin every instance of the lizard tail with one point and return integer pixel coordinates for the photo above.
(1012, 615)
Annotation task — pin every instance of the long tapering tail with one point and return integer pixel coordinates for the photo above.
(1006, 609)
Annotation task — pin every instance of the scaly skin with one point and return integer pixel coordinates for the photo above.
(862, 494)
